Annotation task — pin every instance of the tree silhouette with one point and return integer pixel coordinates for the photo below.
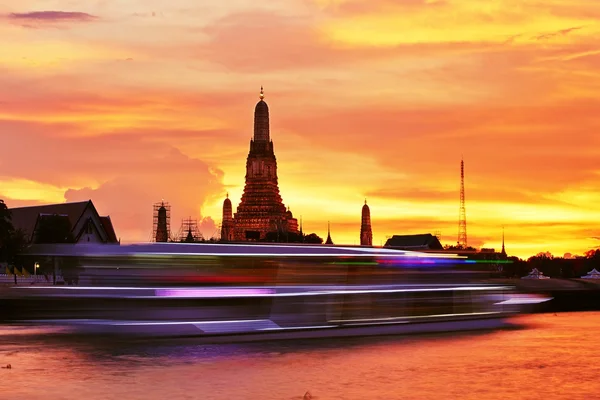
(6, 230)
(313, 238)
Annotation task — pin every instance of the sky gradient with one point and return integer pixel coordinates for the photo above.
(128, 102)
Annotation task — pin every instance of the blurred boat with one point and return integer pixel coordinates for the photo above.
(219, 314)
(223, 293)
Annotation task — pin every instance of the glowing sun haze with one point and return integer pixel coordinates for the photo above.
(128, 102)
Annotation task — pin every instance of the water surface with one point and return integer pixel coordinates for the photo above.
(550, 357)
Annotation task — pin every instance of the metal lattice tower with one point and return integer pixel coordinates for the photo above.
(462, 214)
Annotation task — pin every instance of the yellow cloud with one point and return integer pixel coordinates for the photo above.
(23, 189)
(98, 121)
(43, 54)
(455, 22)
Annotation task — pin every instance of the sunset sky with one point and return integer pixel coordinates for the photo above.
(127, 102)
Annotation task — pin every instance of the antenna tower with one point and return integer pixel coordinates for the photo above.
(161, 222)
(462, 214)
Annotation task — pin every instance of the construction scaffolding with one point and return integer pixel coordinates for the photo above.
(189, 232)
(161, 222)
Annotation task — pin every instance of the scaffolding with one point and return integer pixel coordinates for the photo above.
(161, 222)
(189, 232)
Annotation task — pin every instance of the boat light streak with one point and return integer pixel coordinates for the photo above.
(209, 293)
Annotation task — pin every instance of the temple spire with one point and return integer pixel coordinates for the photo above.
(366, 234)
(261, 120)
(503, 250)
(328, 241)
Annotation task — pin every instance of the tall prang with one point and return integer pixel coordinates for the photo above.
(366, 235)
(161, 231)
(227, 221)
(261, 209)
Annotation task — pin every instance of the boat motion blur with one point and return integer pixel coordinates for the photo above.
(241, 292)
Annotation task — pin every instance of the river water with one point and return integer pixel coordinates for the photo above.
(548, 357)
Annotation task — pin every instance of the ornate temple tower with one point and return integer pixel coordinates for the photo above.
(261, 209)
(161, 231)
(366, 235)
(227, 221)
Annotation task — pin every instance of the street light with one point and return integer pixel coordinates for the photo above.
(35, 267)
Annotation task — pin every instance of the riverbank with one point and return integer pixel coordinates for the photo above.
(567, 294)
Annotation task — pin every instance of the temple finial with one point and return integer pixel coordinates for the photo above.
(262, 92)
(365, 201)
(227, 195)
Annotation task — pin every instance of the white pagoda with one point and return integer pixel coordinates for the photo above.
(536, 274)
(593, 274)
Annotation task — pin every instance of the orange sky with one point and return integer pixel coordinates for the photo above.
(127, 102)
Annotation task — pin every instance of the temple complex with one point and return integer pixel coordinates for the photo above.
(261, 209)
(366, 235)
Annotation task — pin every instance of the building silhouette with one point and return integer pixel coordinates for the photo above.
(366, 235)
(261, 209)
(82, 218)
(420, 242)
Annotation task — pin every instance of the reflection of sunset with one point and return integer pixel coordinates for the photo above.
(368, 99)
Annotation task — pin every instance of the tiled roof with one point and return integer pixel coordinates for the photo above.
(25, 218)
(422, 241)
(109, 229)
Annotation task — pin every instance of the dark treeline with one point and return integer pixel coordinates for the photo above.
(553, 267)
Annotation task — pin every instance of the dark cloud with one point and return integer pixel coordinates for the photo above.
(561, 32)
(150, 14)
(49, 19)
(52, 16)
